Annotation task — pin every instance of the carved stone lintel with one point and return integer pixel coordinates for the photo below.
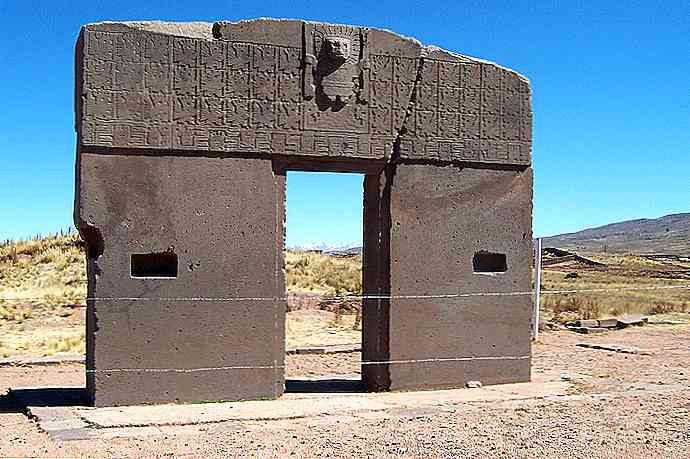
(253, 82)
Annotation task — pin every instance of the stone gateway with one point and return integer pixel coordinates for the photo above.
(185, 133)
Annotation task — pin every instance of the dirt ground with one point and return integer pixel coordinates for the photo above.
(620, 405)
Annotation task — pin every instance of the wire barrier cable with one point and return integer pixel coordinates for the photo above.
(377, 296)
(334, 298)
(275, 367)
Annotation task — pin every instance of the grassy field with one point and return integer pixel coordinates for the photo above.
(44, 282)
(620, 272)
(43, 285)
(319, 273)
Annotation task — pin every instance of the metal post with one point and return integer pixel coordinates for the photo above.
(537, 290)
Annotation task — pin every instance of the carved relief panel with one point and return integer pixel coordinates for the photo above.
(329, 91)
(469, 111)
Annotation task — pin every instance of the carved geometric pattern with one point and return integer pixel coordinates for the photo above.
(469, 112)
(149, 90)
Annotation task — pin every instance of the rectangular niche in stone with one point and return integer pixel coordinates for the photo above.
(489, 263)
(162, 265)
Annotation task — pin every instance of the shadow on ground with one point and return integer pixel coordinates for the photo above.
(77, 396)
(313, 386)
(49, 396)
(8, 404)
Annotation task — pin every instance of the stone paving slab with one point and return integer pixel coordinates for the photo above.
(82, 422)
(614, 348)
(327, 349)
(286, 407)
(59, 422)
(38, 361)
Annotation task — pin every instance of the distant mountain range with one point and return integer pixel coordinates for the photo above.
(665, 235)
(325, 247)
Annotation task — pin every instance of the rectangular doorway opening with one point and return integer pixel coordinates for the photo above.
(323, 277)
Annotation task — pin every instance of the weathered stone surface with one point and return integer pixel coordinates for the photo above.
(432, 338)
(632, 319)
(223, 220)
(587, 330)
(586, 323)
(614, 348)
(185, 133)
(54, 410)
(608, 323)
(277, 87)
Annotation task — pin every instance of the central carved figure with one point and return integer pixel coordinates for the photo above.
(337, 83)
(338, 49)
(338, 54)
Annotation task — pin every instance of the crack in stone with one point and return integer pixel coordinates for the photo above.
(401, 130)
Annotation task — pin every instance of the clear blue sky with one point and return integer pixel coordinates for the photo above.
(611, 100)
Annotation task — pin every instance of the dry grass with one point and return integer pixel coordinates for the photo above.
(42, 289)
(317, 272)
(622, 272)
(47, 271)
(569, 308)
(4, 350)
(68, 343)
(38, 342)
(14, 312)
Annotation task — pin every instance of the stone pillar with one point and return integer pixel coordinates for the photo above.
(217, 222)
(376, 281)
(453, 230)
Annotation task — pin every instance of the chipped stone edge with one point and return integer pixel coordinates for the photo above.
(434, 48)
(204, 30)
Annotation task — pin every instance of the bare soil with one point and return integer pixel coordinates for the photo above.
(621, 405)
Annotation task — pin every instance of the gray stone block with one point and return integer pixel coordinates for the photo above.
(436, 232)
(184, 135)
(588, 330)
(221, 221)
(608, 323)
(586, 323)
(295, 88)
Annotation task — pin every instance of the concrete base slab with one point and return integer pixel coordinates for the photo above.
(82, 422)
